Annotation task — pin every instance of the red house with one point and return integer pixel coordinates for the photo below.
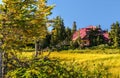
(85, 32)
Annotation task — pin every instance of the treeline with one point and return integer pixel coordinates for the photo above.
(60, 37)
(26, 25)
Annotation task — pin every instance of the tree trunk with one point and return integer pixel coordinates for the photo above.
(36, 48)
(2, 71)
(1, 65)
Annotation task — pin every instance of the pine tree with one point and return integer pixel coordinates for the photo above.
(74, 28)
(58, 31)
(68, 34)
(96, 36)
(63, 32)
(114, 34)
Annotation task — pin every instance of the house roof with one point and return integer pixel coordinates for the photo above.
(106, 35)
(91, 27)
(80, 33)
(83, 33)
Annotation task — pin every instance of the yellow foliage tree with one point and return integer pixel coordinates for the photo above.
(23, 21)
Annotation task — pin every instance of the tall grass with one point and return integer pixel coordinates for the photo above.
(112, 61)
(94, 51)
(109, 58)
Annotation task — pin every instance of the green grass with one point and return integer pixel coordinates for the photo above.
(94, 51)
(111, 58)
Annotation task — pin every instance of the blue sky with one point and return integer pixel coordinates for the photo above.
(87, 12)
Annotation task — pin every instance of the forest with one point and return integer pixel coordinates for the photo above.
(29, 49)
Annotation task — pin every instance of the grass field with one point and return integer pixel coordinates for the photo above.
(110, 60)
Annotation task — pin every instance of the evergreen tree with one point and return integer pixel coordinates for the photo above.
(63, 32)
(58, 31)
(114, 34)
(68, 34)
(23, 21)
(74, 28)
(96, 36)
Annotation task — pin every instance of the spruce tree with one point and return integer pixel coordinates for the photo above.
(58, 31)
(68, 34)
(96, 36)
(74, 27)
(114, 34)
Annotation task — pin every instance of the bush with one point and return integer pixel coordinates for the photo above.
(54, 68)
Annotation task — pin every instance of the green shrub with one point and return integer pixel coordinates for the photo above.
(54, 68)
